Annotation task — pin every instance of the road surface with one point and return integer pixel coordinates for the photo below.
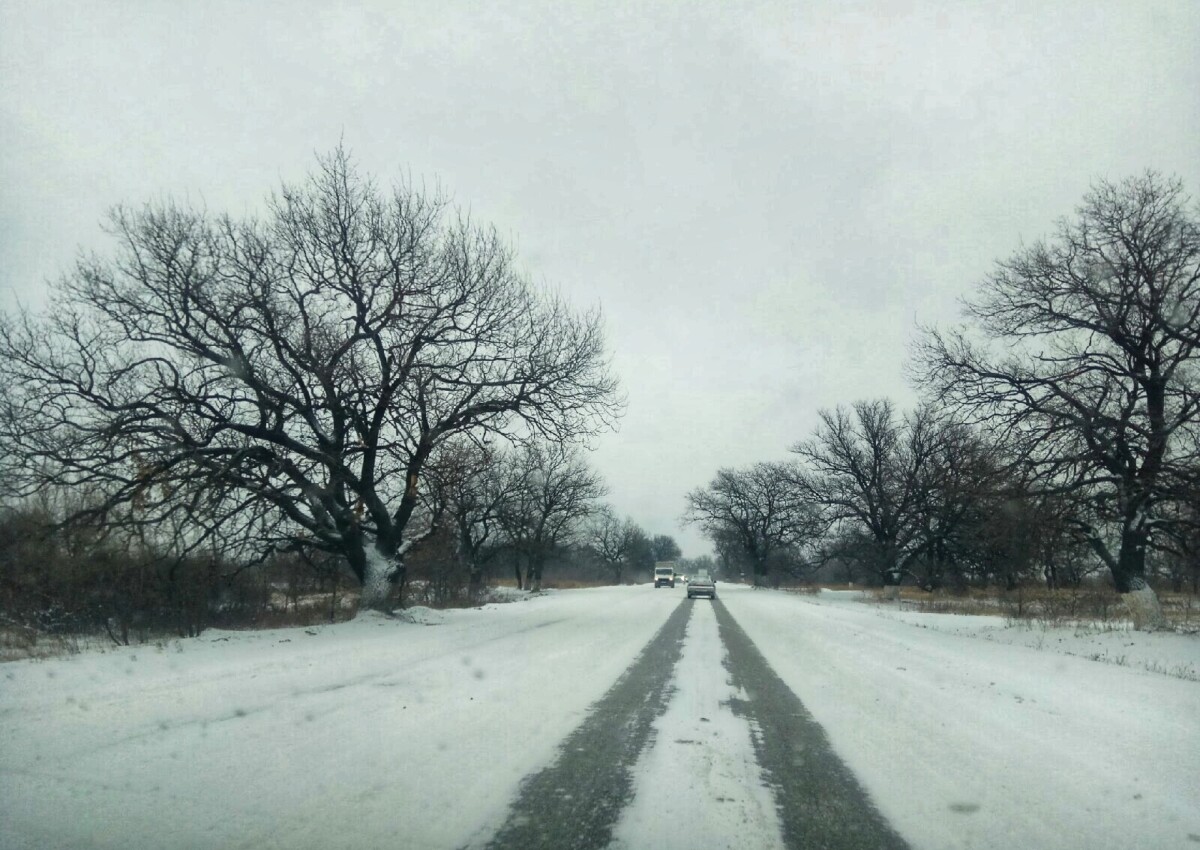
(698, 743)
(617, 717)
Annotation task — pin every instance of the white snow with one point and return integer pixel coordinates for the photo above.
(382, 732)
(422, 615)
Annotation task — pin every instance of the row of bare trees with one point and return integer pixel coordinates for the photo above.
(495, 512)
(323, 380)
(876, 497)
(524, 507)
(1060, 431)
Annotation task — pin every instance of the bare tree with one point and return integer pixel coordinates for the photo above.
(300, 369)
(1096, 379)
(1179, 549)
(866, 469)
(468, 485)
(903, 495)
(641, 554)
(665, 548)
(760, 509)
(962, 487)
(555, 492)
(612, 539)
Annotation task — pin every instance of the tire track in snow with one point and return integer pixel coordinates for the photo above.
(574, 803)
(819, 801)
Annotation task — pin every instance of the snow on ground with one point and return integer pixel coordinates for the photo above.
(416, 734)
(1172, 653)
(699, 783)
(965, 740)
(371, 733)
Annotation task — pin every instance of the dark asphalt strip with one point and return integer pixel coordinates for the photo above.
(820, 803)
(574, 804)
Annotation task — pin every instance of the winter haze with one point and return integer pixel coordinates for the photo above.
(765, 198)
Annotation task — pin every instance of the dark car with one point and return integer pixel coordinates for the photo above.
(702, 584)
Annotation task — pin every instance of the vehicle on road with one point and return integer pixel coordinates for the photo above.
(702, 584)
(664, 576)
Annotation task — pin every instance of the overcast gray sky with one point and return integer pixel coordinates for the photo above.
(764, 197)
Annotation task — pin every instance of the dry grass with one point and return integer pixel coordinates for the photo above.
(19, 643)
(553, 583)
(1182, 609)
(1095, 603)
(572, 584)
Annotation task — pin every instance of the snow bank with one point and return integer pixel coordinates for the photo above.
(1170, 653)
(421, 615)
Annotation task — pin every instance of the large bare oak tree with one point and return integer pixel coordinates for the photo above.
(1085, 349)
(301, 367)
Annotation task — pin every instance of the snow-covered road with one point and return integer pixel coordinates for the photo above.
(699, 783)
(385, 733)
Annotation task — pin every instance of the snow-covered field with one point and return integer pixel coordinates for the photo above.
(416, 734)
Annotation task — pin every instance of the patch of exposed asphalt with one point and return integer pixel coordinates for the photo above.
(575, 802)
(820, 803)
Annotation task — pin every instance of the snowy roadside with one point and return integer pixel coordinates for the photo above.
(375, 732)
(1170, 653)
(965, 739)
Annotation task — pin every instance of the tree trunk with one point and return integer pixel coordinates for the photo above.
(1050, 572)
(761, 571)
(891, 584)
(381, 573)
(1129, 577)
(1144, 609)
(1130, 567)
